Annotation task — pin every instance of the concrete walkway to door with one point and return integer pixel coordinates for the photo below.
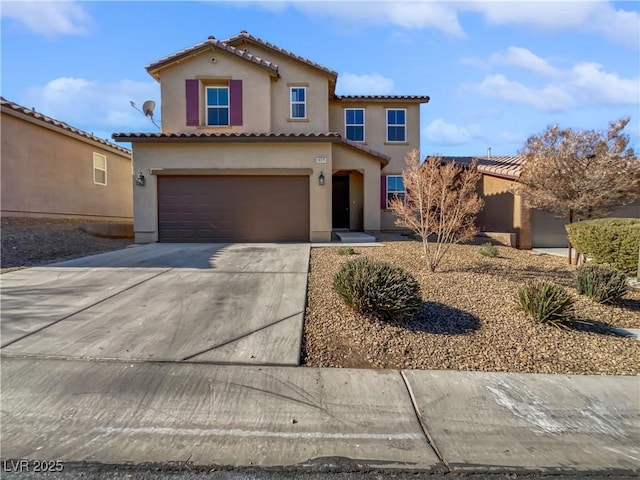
(218, 303)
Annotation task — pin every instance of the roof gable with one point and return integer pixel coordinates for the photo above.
(209, 44)
(244, 37)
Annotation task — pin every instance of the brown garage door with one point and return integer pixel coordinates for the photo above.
(233, 208)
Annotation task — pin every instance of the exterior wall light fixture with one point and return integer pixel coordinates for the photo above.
(321, 179)
(140, 181)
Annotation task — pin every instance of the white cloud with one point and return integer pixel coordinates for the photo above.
(94, 104)
(597, 86)
(49, 18)
(549, 98)
(439, 132)
(523, 58)
(600, 17)
(584, 84)
(618, 25)
(367, 84)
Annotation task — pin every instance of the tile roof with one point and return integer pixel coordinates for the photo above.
(14, 107)
(509, 167)
(223, 136)
(244, 36)
(383, 98)
(385, 158)
(142, 137)
(210, 43)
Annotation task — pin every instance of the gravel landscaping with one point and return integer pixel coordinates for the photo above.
(28, 242)
(469, 321)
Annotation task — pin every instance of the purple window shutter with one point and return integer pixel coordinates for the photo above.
(383, 192)
(193, 103)
(235, 100)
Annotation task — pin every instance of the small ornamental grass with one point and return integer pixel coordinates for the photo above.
(488, 249)
(346, 251)
(546, 302)
(378, 289)
(602, 283)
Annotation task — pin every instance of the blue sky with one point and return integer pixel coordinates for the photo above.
(496, 72)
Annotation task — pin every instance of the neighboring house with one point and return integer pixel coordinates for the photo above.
(50, 169)
(505, 211)
(256, 146)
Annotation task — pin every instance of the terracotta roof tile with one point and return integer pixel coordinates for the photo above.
(6, 104)
(223, 136)
(509, 167)
(244, 36)
(210, 43)
(383, 98)
(386, 158)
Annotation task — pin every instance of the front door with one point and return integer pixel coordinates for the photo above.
(340, 199)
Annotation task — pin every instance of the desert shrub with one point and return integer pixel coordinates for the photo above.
(379, 289)
(488, 249)
(346, 251)
(608, 240)
(602, 283)
(545, 301)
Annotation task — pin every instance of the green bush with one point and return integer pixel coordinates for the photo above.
(602, 283)
(608, 240)
(545, 302)
(378, 289)
(488, 249)
(346, 251)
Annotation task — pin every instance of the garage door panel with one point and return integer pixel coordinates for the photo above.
(233, 208)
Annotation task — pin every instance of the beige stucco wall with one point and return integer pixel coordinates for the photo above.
(48, 173)
(376, 129)
(256, 91)
(294, 73)
(232, 156)
(265, 100)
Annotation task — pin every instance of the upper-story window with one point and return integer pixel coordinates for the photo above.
(217, 106)
(396, 125)
(298, 102)
(354, 124)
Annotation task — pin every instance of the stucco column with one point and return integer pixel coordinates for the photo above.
(372, 198)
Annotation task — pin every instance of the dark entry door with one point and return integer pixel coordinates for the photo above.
(340, 201)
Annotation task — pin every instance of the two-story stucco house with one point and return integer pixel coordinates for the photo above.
(256, 146)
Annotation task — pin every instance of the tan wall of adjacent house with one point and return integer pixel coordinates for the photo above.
(47, 173)
(256, 91)
(503, 211)
(232, 156)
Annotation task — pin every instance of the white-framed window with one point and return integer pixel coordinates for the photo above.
(395, 189)
(396, 125)
(298, 102)
(217, 106)
(354, 124)
(99, 169)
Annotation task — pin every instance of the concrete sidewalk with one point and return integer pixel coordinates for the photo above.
(213, 415)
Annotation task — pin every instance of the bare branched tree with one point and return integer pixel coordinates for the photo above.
(579, 174)
(441, 202)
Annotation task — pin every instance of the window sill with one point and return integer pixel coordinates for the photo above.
(298, 120)
(396, 143)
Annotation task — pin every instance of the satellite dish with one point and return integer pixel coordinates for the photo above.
(147, 108)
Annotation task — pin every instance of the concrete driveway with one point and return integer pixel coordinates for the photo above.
(219, 303)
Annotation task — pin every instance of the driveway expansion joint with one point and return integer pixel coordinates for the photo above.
(423, 425)
(86, 307)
